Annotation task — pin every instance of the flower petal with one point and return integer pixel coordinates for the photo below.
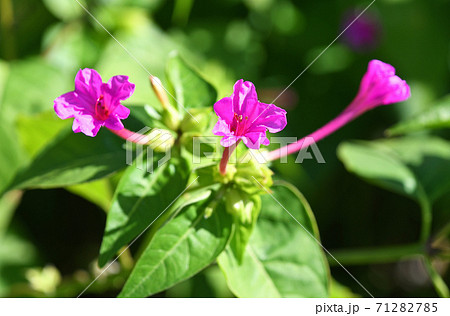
(224, 109)
(86, 124)
(113, 122)
(399, 92)
(122, 112)
(254, 140)
(119, 87)
(244, 97)
(221, 128)
(271, 117)
(376, 71)
(227, 141)
(65, 105)
(87, 86)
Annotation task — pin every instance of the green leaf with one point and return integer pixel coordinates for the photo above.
(11, 156)
(71, 46)
(436, 117)
(378, 166)
(36, 131)
(182, 247)
(73, 158)
(428, 158)
(21, 93)
(4, 74)
(16, 254)
(8, 204)
(409, 165)
(98, 192)
(414, 166)
(282, 258)
(189, 89)
(338, 290)
(140, 38)
(147, 115)
(65, 9)
(139, 198)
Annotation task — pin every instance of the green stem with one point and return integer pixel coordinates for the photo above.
(181, 11)
(375, 255)
(425, 209)
(126, 259)
(439, 284)
(8, 204)
(6, 24)
(444, 232)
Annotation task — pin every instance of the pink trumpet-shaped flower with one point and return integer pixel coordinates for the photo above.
(379, 86)
(243, 117)
(94, 104)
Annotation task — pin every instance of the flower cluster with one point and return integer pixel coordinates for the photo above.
(241, 116)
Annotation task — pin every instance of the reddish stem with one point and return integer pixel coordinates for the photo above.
(225, 157)
(131, 136)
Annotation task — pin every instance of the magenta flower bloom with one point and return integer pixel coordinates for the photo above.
(379, 86)
(243, 117)
(94, 104)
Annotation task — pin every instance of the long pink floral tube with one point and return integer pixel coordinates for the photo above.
(314, 137)
(379, 86)
(132, 136)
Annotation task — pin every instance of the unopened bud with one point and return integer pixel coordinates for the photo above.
(239, 204)
(160, 140)
(170, 115)
(197, 120)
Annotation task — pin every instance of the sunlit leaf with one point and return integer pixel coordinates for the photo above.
(140, 198)
(184, 246)
(11, 156)
(188, 88)
(98, 192)
(405, 165)
(436, 117)
(21, 93)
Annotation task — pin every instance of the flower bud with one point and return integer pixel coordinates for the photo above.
(379, 86)
(160, 140)
(197, 120)
(239, 204)
(251, 175)
(171, 117)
